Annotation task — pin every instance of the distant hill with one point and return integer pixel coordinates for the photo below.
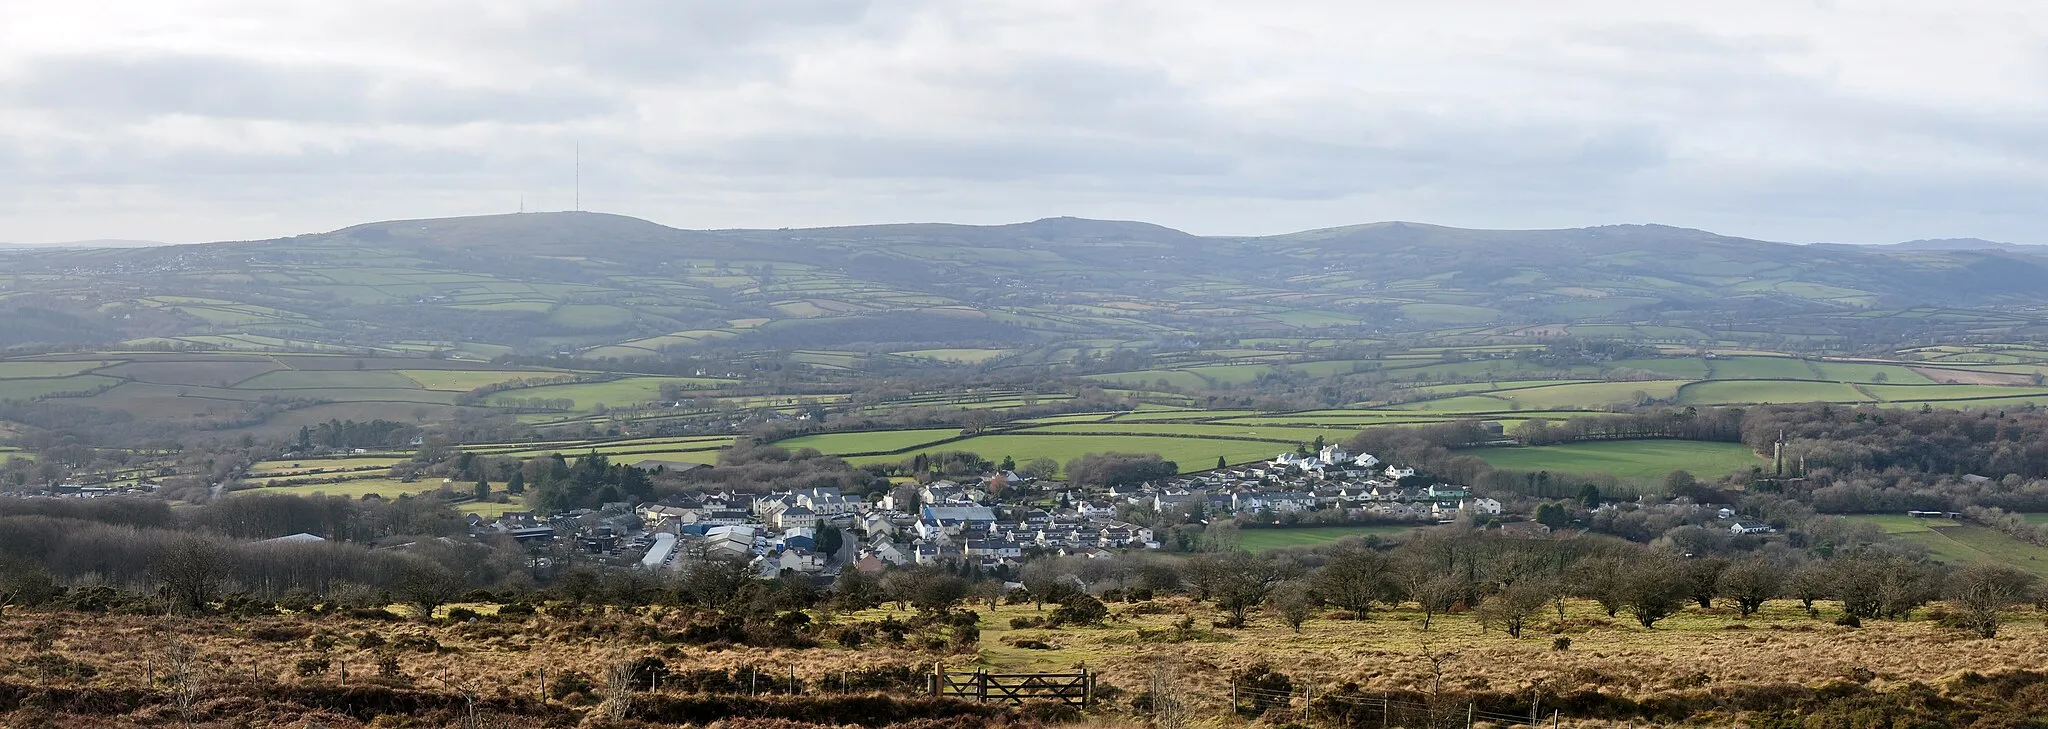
(610, 285)
(97, 243)
(1968, 244)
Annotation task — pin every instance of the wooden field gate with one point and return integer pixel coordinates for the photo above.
(1073, 689)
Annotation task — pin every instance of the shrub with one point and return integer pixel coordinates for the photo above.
(367, 640)
(420, 643)
(568, 683)
(463, 615)
(51, 665)
(313, 666)
(1030, 622)
(515, 610)
(1080, 609)
(1268, 688)
(279, 633)
(851, 638)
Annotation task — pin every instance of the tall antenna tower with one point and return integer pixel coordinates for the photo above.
(579, 176)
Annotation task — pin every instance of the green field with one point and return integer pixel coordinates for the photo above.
(1759, 368)
(1591, 394)
(1246, 431)
(1958, 544)
(616, 393)
(463, 380)
(1192, 454)
(1260, 540)
(356, 489)
(327, 379)
(303, 466)
(964, 356)
(869, 442)
(1643, 460)
(1743, 392)
(17, 370)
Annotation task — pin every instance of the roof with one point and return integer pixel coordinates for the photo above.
(299, 537)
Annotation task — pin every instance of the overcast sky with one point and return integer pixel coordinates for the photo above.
(193, 120)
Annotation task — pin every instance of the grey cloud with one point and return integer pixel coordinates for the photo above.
(149, 84)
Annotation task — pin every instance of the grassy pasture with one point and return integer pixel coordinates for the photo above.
(1178, 414)
(463, 380)
(1691, 368)
(1192, 454)
(1738, 392)
(1950, 392)
(1277, 433)
(209, 370)
(587, 395)
(354, 489)
(1260, 540)
(50, 369)
(964, 356)
(27, 389)
(1630, 459)
(1590, 394)
(870, 442)
(326, 379)
(1868, 373)
(1148, 378)
(1759, 368)
(1960, 544)
(308, 466)
(1459, 404)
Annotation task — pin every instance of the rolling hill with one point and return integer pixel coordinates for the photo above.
(603, 285)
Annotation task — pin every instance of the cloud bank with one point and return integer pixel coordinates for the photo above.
(211, 119)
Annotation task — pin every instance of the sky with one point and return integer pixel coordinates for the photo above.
(197, 120)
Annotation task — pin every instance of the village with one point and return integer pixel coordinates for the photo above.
(992, 523)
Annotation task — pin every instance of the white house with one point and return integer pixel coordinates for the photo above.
(1333, 454)
(1365, 460)
(1397, 473)
(1749, 527)
(1481, 505)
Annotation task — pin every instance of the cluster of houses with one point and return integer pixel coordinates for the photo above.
(1291, 482)
(817, 531)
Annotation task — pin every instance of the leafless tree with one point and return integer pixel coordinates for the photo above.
(1437, 594)
(1982, 593)
(1295, 602)
(1354, 578)
(190, 569)
(1170, 708)
(618, 687)
(1511, 608)
(1750, 583)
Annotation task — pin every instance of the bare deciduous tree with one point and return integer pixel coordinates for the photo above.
(1982, 593)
